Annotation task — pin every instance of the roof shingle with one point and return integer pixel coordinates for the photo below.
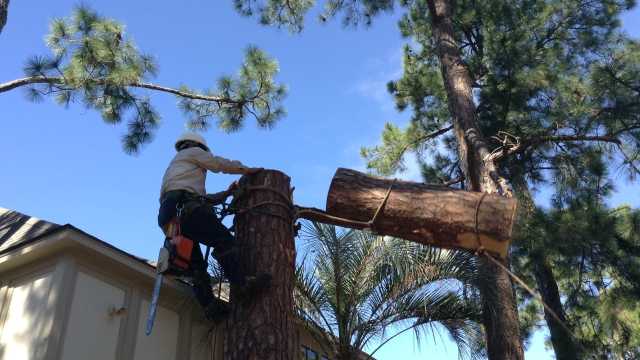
(17, 228)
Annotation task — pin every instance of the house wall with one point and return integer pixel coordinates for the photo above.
(23, 312)
(79, 304)
(70, 297)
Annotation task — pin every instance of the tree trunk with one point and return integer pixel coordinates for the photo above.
(563, 345)
(500, 319)
(261, 327)
(433, 215)
(4, 11)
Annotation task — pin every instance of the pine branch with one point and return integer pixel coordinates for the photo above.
(620, 81)
(422, 139)
(629, 160)
(408, 145)
(61, 81)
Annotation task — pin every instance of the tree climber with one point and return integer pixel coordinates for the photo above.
(183, 196)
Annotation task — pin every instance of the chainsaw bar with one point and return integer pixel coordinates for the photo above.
(154, 303)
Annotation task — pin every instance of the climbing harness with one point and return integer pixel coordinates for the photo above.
(175, 255)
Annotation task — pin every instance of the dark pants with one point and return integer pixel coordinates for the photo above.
(204, 227)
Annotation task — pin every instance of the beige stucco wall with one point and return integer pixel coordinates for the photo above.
(55, 301)
(63, 302)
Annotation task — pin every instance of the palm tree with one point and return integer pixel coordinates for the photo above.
(353, 289)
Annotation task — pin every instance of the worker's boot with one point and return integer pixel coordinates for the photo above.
(202, 279)
(217, 311)
(252, 286)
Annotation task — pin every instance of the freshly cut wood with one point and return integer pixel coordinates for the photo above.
(425, 213)
(261, 327)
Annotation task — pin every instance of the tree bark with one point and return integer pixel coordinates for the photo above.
(563, 345)
(261, 327)
(430, 214)
(500, 319)
(4, 11)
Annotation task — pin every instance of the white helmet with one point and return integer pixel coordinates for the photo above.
(192, 137)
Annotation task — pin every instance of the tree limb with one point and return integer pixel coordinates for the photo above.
(59, 80)
(533, 142)
(457, 180)
(420, 139)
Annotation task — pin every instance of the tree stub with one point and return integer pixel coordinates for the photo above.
(262, 327)
(430, 214)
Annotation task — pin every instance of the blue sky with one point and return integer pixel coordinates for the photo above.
(66, 166)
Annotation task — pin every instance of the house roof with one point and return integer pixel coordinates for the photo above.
(17, 229)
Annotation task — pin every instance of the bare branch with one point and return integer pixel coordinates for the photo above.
(457, 180)
(534, 142)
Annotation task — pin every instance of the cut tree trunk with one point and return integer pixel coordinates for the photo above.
(261, 327)
(429, 214)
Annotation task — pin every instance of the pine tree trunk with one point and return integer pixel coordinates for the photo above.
(563, 345)
(4, 11)
(425, 213)
(501, 318)
(262, 327)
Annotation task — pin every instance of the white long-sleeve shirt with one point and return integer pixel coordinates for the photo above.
(188, 171)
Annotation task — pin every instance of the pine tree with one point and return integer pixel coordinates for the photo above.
(589, 249)
(553, 80)
(552, 95)
(95, 64)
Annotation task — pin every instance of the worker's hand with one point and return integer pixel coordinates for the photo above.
(253, 170)
(233, 186)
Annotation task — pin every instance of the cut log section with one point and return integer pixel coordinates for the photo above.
(429, 214)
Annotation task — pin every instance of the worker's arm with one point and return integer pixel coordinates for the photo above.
(222, 196)
(219, 164)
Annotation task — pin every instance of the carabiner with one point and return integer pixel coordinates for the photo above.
(179, 214)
